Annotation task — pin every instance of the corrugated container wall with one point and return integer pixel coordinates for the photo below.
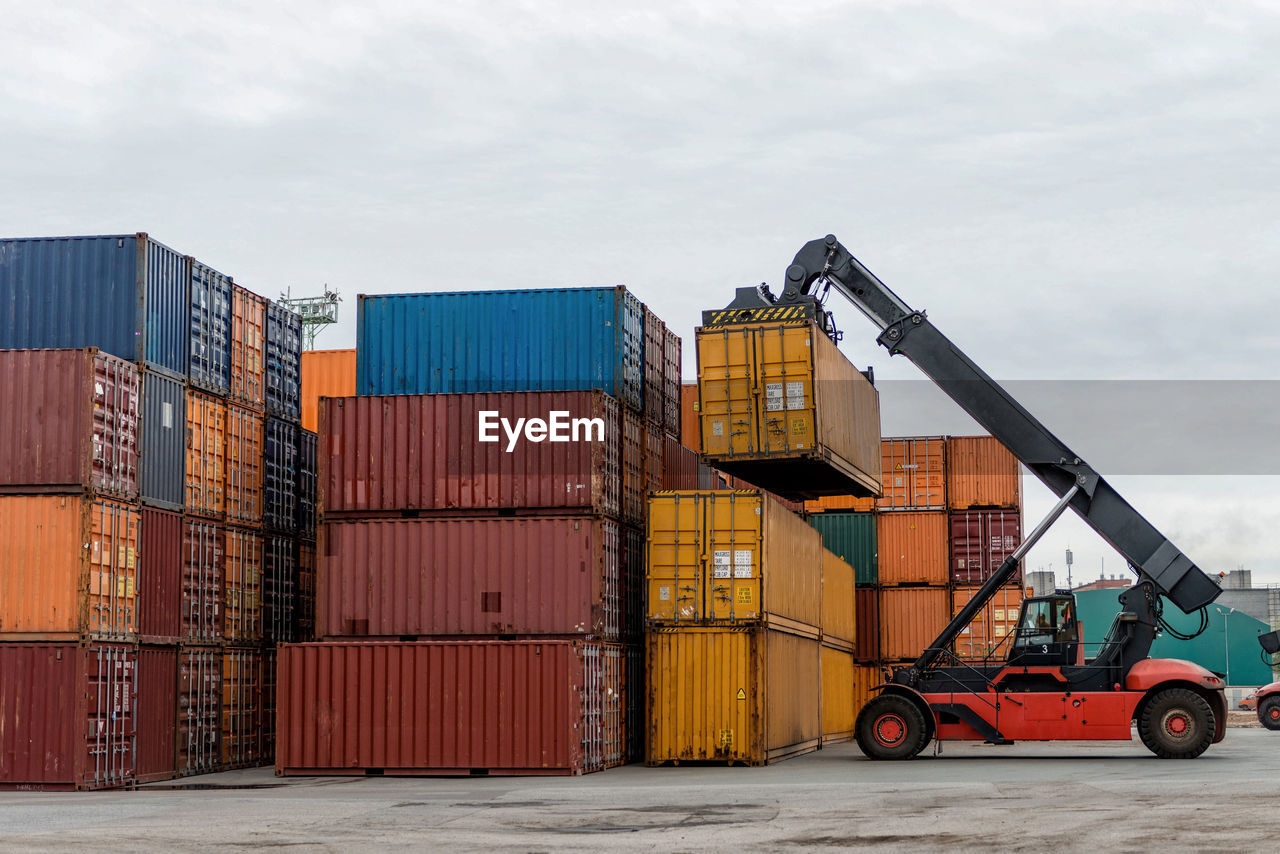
(423, 452)
(162, 441)
(827, 503)
(279, 588)
(199, 710)
(159, 576)
(242, 586)
(865, 677)
(248, 347)
(910, 619)
(546, 575)
(571, 339)
(690, 430)
(125, 294)
(206, 455)
(209, 360)
(67, 715)
(325, 373)
(157, 713)
(981, 472)
(655, 336)
(912, 548)
(980, 542)
(634, 481)
(915, 474)
(671, 394)
(504, 707)
(69, 419)
(305, 594)
(284, 362)
(203, 563)
(307, 484)
(839, 610)
(852, 536)
(280, 475)
(680, 465)
(839, 678)
(995, 622)
(867, 646)
(241, 707)
(70, 568)
(244, 458)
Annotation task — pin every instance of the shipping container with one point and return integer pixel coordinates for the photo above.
(70, 568)
(157, 714)
(541, 575)
(690, 417)
(487, 341)
(305, 594)
(731, 556)
(655, 464)
(325, 373)
(241, 707)
(912, 548)
(423, 452)
(986, 634)
(839, 610)
(69, 419)
(915, 474)
(209, 359)
(280, 475)
(867, 646)
(633, 584)
(839, 678)
(267, 718)
(279, 588)
(199, 710)
(203, 563)
(737, 695)
(159, 576)
(306, 488)
(249, 347)
(125, 294)
(828, 503)
(671, 367)
(865, 678)
(283, 362)
(634, 478)
(784, 409)
(981, 472)
(680, 465)
(655, 340)
(852, 536)
(980, 542)
(450, 707)
(242, 586)
(206, 455)
(910, 619)
(162, 441)
(244, 458)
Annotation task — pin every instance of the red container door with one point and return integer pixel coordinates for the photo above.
(160, 576)
(867, 645)
(157, 713)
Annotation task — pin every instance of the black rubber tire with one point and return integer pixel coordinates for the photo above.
(1176, 723)
(1269, 713)
(891, 727)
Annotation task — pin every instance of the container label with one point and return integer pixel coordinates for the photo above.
(744, 595)
(722, 561)
(664, 594)
(717, 428)
(798, 426)
(795, 395)
(166, 415)
(726, 738)
(773, 401)
(742, 563)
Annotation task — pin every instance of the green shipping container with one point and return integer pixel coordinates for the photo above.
(853, 537)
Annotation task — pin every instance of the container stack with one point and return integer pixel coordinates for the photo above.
(482, 536)
(132, 502)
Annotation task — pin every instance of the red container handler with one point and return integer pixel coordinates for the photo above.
(450, 708)
(980, 541)
(395, 453)
(67, 716)
(157, 713)
(523, 575)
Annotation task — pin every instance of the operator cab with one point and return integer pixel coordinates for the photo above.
(1048, 632)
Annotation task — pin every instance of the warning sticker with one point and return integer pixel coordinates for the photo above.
(795, 395)
(798, 426)
(742, 695)
(742, 563)
(773, 401)
(722, 558)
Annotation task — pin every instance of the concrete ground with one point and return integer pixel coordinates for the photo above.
(1054, 797)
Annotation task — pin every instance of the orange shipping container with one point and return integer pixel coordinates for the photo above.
(839, 502)
(839, 615)
(248, 342)
(981, 472)
(910, 619)
(206, 454)
(913, 548)
(994, 623)
(242, 586)
(69, 568)
(915, 474)
(690, 432)
(244, 465)
(325, 373)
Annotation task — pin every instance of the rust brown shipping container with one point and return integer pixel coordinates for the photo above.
(67, 717)
(203, 566)
(539, 575)
(199, 731)
(422, 452)
(655, 337)
(325, 373)
(157, 713)
(915, 473)
(980, 542)
(655, 465)
(680, 465)
(986, 635)
(450, 707)
(69, 419)
(244, 466)
(839, 676)
(672, 364)
(634, 477)
(206, 454)
(839, 608)
(981, 472)
(690, 431)
(242, 586)
(248, 347)
(267, 719)
(159, 576)
(912, 548)
(910, 619)
(241, 707)
(306, 591)
(70, 568)
(867, 646)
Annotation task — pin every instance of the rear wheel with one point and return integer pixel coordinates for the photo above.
(1176, 724)
(1269, 712)
(891, 727)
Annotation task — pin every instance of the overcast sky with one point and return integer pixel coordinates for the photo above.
(1079, 193)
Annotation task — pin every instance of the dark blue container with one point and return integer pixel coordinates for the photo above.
(284, 362)
(125, 294)
(162, 441)
(307, 484)
(567, 339)
(280, 474)
(209, 362)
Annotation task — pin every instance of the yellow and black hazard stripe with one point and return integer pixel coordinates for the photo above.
(728, 316)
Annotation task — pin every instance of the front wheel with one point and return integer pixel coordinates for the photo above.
(1176, 724)
(891, 727)
(1269, 712)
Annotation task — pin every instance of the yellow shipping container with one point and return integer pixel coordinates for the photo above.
(325, 373)
(781, 407)
(737, 695)
(731, 556)
(865, 677)
(838, 692)
(839, 611)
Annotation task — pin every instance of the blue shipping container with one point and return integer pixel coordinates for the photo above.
(209, 365)
(124, 294)
(162, 441)
(307, 484)
(280, 474)
(569, 339)
(284, 362)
